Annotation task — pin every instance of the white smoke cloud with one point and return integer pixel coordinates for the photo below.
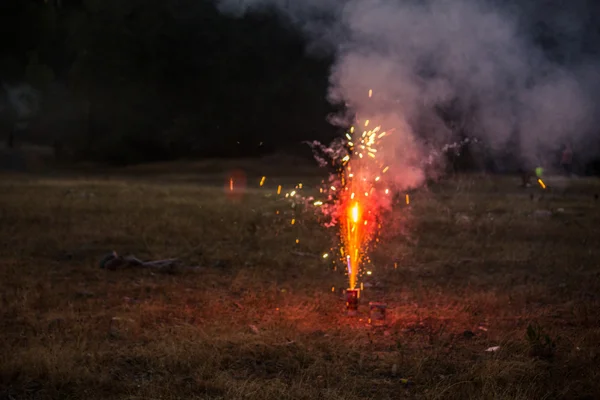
(415, 55)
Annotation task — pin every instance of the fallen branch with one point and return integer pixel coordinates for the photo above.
(303, 254)
(114, 262)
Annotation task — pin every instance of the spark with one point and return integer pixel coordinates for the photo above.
(541, 182)
(279, 189)
(231, 184)
(370, 92)
(407, 199)
(262, 180)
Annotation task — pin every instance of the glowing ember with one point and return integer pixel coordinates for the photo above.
(541, 182)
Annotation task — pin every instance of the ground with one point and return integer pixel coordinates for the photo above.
(472, 263)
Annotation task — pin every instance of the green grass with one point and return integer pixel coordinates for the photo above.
(477, 266)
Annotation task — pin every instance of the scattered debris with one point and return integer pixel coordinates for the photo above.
(463, 219)
(406, 382)
(254, 329)
(394, 369)
(493, 349)
(542, 213)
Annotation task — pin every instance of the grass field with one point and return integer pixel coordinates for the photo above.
(479, 263)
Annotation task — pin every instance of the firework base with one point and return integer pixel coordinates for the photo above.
(352, 302)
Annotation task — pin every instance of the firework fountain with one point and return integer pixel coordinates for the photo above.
(356, 197)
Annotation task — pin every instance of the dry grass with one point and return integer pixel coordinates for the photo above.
(475, 269)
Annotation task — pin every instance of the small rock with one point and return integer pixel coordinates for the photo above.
(493, 349)
(463, 219)
(84, 294)
(394, 369)
(220, 264)
(468, 334)
(119, 325)
(254, 329)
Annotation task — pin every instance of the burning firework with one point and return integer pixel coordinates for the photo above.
(356, 194)
(359, 203)
(353, 199)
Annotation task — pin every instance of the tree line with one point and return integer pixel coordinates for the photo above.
(127, 81)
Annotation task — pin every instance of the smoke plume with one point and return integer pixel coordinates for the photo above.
(483, 61)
